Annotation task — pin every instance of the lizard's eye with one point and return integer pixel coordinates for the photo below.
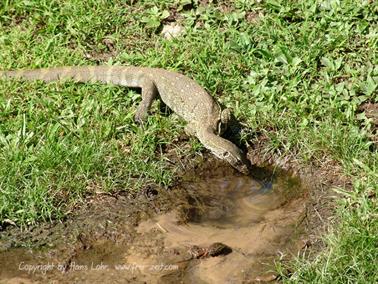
(226, 154)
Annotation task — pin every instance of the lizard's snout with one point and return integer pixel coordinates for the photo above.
(238, 161)
(242, 167)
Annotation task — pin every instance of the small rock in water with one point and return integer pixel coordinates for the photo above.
(215, 249)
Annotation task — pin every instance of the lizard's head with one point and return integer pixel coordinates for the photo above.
(229, 152)
(223, 121)
(236, 159)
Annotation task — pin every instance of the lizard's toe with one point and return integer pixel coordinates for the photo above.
(140, 119)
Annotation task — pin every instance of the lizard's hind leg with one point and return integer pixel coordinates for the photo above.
(149, 93)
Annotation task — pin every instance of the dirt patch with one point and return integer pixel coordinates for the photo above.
(150, 236)
(253, 17)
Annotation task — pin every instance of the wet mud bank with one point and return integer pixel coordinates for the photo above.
(214, 226)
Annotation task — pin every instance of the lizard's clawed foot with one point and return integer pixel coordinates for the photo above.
(140, 118)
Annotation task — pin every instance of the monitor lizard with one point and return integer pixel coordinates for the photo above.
(205, 118)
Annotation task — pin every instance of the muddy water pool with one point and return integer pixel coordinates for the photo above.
(259, 221)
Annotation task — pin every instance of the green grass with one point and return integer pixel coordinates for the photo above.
(297, 73)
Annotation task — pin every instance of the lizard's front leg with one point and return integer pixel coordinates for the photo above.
(149, 93)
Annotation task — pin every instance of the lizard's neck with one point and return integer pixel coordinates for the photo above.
(216, 144)
(210, 139)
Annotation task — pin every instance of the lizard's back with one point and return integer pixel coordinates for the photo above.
(185, 96)
(180, 93)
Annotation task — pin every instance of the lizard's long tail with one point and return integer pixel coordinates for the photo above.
(105, 74)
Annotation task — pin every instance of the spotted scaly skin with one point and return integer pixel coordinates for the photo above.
(183, 95)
